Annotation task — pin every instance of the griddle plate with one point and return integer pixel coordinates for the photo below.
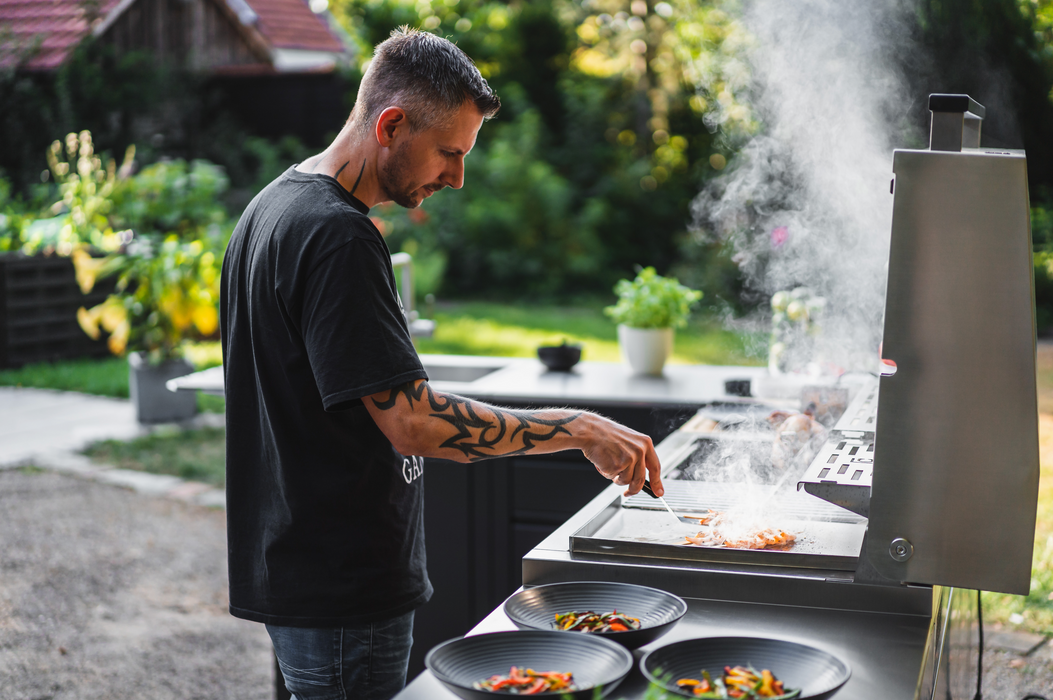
(827, 536)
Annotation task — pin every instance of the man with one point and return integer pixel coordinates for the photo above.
(329, 411)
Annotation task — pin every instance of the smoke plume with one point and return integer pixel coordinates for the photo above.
(806, 202)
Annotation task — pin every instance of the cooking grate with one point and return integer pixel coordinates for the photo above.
(861, 414)
(848, 461)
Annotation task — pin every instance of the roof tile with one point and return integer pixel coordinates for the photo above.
(290, 24)
(59, 25)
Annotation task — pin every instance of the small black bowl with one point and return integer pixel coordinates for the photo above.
(559, 358)
(595, 663)
(658, 611)
(817, 673)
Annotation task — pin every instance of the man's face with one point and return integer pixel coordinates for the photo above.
(421, 164)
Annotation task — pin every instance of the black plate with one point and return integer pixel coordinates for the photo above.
(817, 673)
(594, 662)
(658, 611)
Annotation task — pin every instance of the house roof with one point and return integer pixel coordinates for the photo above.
(290, 24)
(55, 27)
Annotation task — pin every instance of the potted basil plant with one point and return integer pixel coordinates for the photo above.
(649, 308)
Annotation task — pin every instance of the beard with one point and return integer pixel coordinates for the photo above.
(396, 180)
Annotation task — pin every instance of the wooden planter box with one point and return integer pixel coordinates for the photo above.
(39, 298)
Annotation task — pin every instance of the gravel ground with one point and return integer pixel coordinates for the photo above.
(105, 593)
(1009, 676)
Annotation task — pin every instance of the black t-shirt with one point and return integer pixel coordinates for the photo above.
(324, 517)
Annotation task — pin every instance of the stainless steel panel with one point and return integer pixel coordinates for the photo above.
(957, 434)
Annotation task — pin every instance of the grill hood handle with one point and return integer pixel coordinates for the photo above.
(956, 121)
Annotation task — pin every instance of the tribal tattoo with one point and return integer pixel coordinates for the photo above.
(337, 175)
(359, 179)
(477, 437)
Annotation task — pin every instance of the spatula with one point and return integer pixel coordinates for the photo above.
(649, 492)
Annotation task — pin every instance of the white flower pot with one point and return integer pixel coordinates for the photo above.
(645, 349)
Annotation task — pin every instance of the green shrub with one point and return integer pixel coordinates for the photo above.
(172, 196)
(1044, 291)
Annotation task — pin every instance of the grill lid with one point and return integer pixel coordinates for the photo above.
(955, 480)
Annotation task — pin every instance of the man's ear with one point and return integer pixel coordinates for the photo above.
(392, 124)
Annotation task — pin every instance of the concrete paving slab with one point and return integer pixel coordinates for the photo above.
(36, 422)
(69, 462)
(216, 498)
(143, 482)
(1022, 643)
(48, 428)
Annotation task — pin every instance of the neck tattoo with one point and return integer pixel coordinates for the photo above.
(359, 179)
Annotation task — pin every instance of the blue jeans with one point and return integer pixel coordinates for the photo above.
(363, 662)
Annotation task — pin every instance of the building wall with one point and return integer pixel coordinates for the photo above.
(197, 32)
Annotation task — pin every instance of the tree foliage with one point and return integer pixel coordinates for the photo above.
(615, 112)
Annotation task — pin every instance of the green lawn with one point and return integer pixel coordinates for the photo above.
(198, 455)
(1036, 608)
(107, 376)
(505, 330)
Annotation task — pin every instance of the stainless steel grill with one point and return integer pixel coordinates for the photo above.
(885, 504)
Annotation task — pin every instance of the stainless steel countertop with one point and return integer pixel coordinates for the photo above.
(884, 651)
(524, 379)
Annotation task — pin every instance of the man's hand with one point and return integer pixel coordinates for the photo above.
(623, 455)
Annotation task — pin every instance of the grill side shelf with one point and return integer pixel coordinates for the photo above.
(843, 471)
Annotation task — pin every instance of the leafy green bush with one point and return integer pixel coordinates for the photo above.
(1044, 290)
(652, 301)
(13, 219)
(86, 187)
(172, 196)
(167, 292)
(166, 255)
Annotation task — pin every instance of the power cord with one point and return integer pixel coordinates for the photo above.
(980, 661)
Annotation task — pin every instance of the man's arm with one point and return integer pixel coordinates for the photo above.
(421, 421)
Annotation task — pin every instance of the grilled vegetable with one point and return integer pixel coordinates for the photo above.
(593, 622)
(527, 681)
(738, 682)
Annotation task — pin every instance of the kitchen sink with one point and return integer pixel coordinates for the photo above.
(461, 368)
(448, 373)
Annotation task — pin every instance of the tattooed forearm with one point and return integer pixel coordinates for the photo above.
(478, 437)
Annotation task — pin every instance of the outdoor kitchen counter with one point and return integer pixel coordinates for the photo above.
(881, 632)
(525, 380)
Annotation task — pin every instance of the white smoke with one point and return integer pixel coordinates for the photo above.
(833, 106)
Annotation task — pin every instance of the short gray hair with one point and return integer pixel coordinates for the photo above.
(427, 76)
